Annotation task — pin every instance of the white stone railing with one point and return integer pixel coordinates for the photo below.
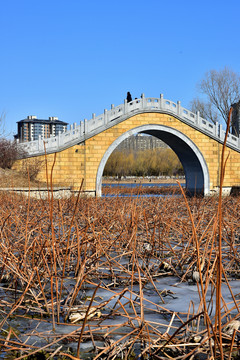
(89, 128)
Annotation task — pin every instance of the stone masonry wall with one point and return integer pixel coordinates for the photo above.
(82, 161)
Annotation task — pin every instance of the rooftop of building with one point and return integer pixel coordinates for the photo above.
(51, 119)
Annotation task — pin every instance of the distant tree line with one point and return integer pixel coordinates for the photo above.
(154, 162)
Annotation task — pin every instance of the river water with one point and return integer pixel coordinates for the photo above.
(178, 299)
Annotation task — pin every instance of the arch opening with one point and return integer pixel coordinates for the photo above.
(193, 162)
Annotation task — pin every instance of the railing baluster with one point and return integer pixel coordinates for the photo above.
(105, 116)
(197, 118)
(125, 106)
(85, 126)
(179, 108)
(161, 101)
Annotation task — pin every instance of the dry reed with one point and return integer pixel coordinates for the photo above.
(121, 246)
(82, 270)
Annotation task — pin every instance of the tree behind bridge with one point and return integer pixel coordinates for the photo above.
(155, 162)
(221, 89)
(9, 151)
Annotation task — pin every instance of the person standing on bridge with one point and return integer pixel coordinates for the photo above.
(129, 97)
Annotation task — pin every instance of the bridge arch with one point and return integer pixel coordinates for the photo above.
(193, 162)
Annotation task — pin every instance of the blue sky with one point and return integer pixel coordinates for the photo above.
(72, 58)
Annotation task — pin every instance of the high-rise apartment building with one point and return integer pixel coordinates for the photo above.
(236, 119)
(32, 128)
(141, 142)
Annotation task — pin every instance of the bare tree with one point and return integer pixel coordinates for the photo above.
(2, 123)
(9, 150)
(221, 89)
(8, 153)
(31, 168)
(206, 110)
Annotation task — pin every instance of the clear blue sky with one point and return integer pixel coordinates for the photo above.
(72, 58)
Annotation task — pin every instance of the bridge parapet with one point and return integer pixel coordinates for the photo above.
(88, 128)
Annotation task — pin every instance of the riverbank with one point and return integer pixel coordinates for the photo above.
(140, 180)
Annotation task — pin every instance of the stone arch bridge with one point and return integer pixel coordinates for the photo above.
(82, 151)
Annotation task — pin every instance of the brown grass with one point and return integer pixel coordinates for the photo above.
(46, 243)
(11, 178)
(141, 190)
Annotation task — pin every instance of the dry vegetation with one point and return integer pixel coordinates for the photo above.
(87, 271)
(141, 190)
(11, 178)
